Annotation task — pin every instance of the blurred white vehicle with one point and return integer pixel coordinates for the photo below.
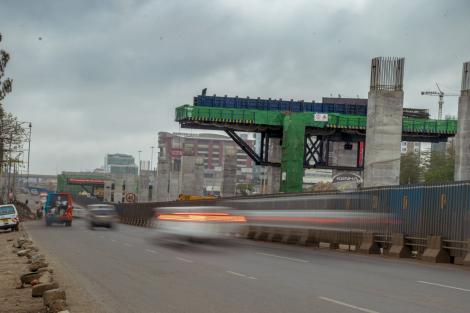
(199, 222)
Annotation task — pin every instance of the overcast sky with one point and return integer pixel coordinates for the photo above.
(97, 77)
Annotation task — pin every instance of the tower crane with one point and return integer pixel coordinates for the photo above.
(441, 95)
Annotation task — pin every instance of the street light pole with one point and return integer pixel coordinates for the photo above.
(29, 154)
(151, 158)
(138, 178)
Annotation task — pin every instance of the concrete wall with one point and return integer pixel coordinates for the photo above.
(383, 138)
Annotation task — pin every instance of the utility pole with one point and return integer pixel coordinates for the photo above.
(138, 178)
(29, 154)
(151, 158)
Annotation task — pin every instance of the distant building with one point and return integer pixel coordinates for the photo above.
(120, 164)
(410, 147)
(181, 154)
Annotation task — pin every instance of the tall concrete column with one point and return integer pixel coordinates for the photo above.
(462, 139)
(273, 174)
(230, 172)
(384, 123)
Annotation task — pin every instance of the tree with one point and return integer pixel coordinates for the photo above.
(5, 88)
(440, 167)
(411, 170)
(244, 189)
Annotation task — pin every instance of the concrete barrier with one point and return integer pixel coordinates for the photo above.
(466, 260)
(368, 244)
(399, 249)
(434, 252)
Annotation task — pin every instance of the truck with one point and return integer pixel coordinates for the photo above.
(58, 209)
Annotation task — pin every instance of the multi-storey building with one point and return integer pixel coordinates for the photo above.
(180, 152)
(122, 164)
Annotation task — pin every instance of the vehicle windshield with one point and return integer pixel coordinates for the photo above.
(7, 210)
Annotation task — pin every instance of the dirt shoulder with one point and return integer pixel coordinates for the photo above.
(13, 300)
(19, 300)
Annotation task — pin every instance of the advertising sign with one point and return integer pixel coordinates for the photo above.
(320, 117)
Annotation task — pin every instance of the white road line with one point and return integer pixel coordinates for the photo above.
(347, 305)
(184, 260)
(113, 240)
(441, 285)
(102, 236)
(283, 257)
(151, 251)
(127, 244)
(236, 274)
(241, 275)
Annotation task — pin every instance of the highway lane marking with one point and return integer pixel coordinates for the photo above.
(113, 240)
(441, 285)
(240, 275)
(127, 244)
(347, 305)
(184, 260)
(283, 257)
(151, 251)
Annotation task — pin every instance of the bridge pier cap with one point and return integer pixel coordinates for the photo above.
(462, 139)
(384, 122)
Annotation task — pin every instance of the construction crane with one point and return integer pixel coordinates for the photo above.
(441, 95)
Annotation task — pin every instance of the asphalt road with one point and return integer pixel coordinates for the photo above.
(135, 269)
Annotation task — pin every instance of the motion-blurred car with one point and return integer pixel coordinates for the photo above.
(101, 215)
(199, 222)
(9, 217)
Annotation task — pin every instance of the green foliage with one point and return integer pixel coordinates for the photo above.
(411, 170)
(244, 189)
(440, 167)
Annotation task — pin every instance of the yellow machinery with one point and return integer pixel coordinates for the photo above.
(183, 197)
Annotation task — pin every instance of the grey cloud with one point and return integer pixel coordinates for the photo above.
(106, 71)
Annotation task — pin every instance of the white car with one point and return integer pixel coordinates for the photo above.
(198, 222)
(9, 217)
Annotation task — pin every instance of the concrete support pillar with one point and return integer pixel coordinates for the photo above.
(230, 172)
(462, 139)
(192, 175)
(274, 173)
(293, 145)
(384, 123)
(163, 179)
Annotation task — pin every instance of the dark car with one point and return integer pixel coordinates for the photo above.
(101, 215)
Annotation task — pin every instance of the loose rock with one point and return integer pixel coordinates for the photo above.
(39, 289)
(22, 252)
(33, 267)
(29, 277)
(57, 306)
(34, 282)
(46, 277)
(52, 295)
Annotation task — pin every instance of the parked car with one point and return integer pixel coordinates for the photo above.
(9, 217)
(101, 215)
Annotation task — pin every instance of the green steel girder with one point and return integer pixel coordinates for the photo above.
(293, 128)
(251, 120)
